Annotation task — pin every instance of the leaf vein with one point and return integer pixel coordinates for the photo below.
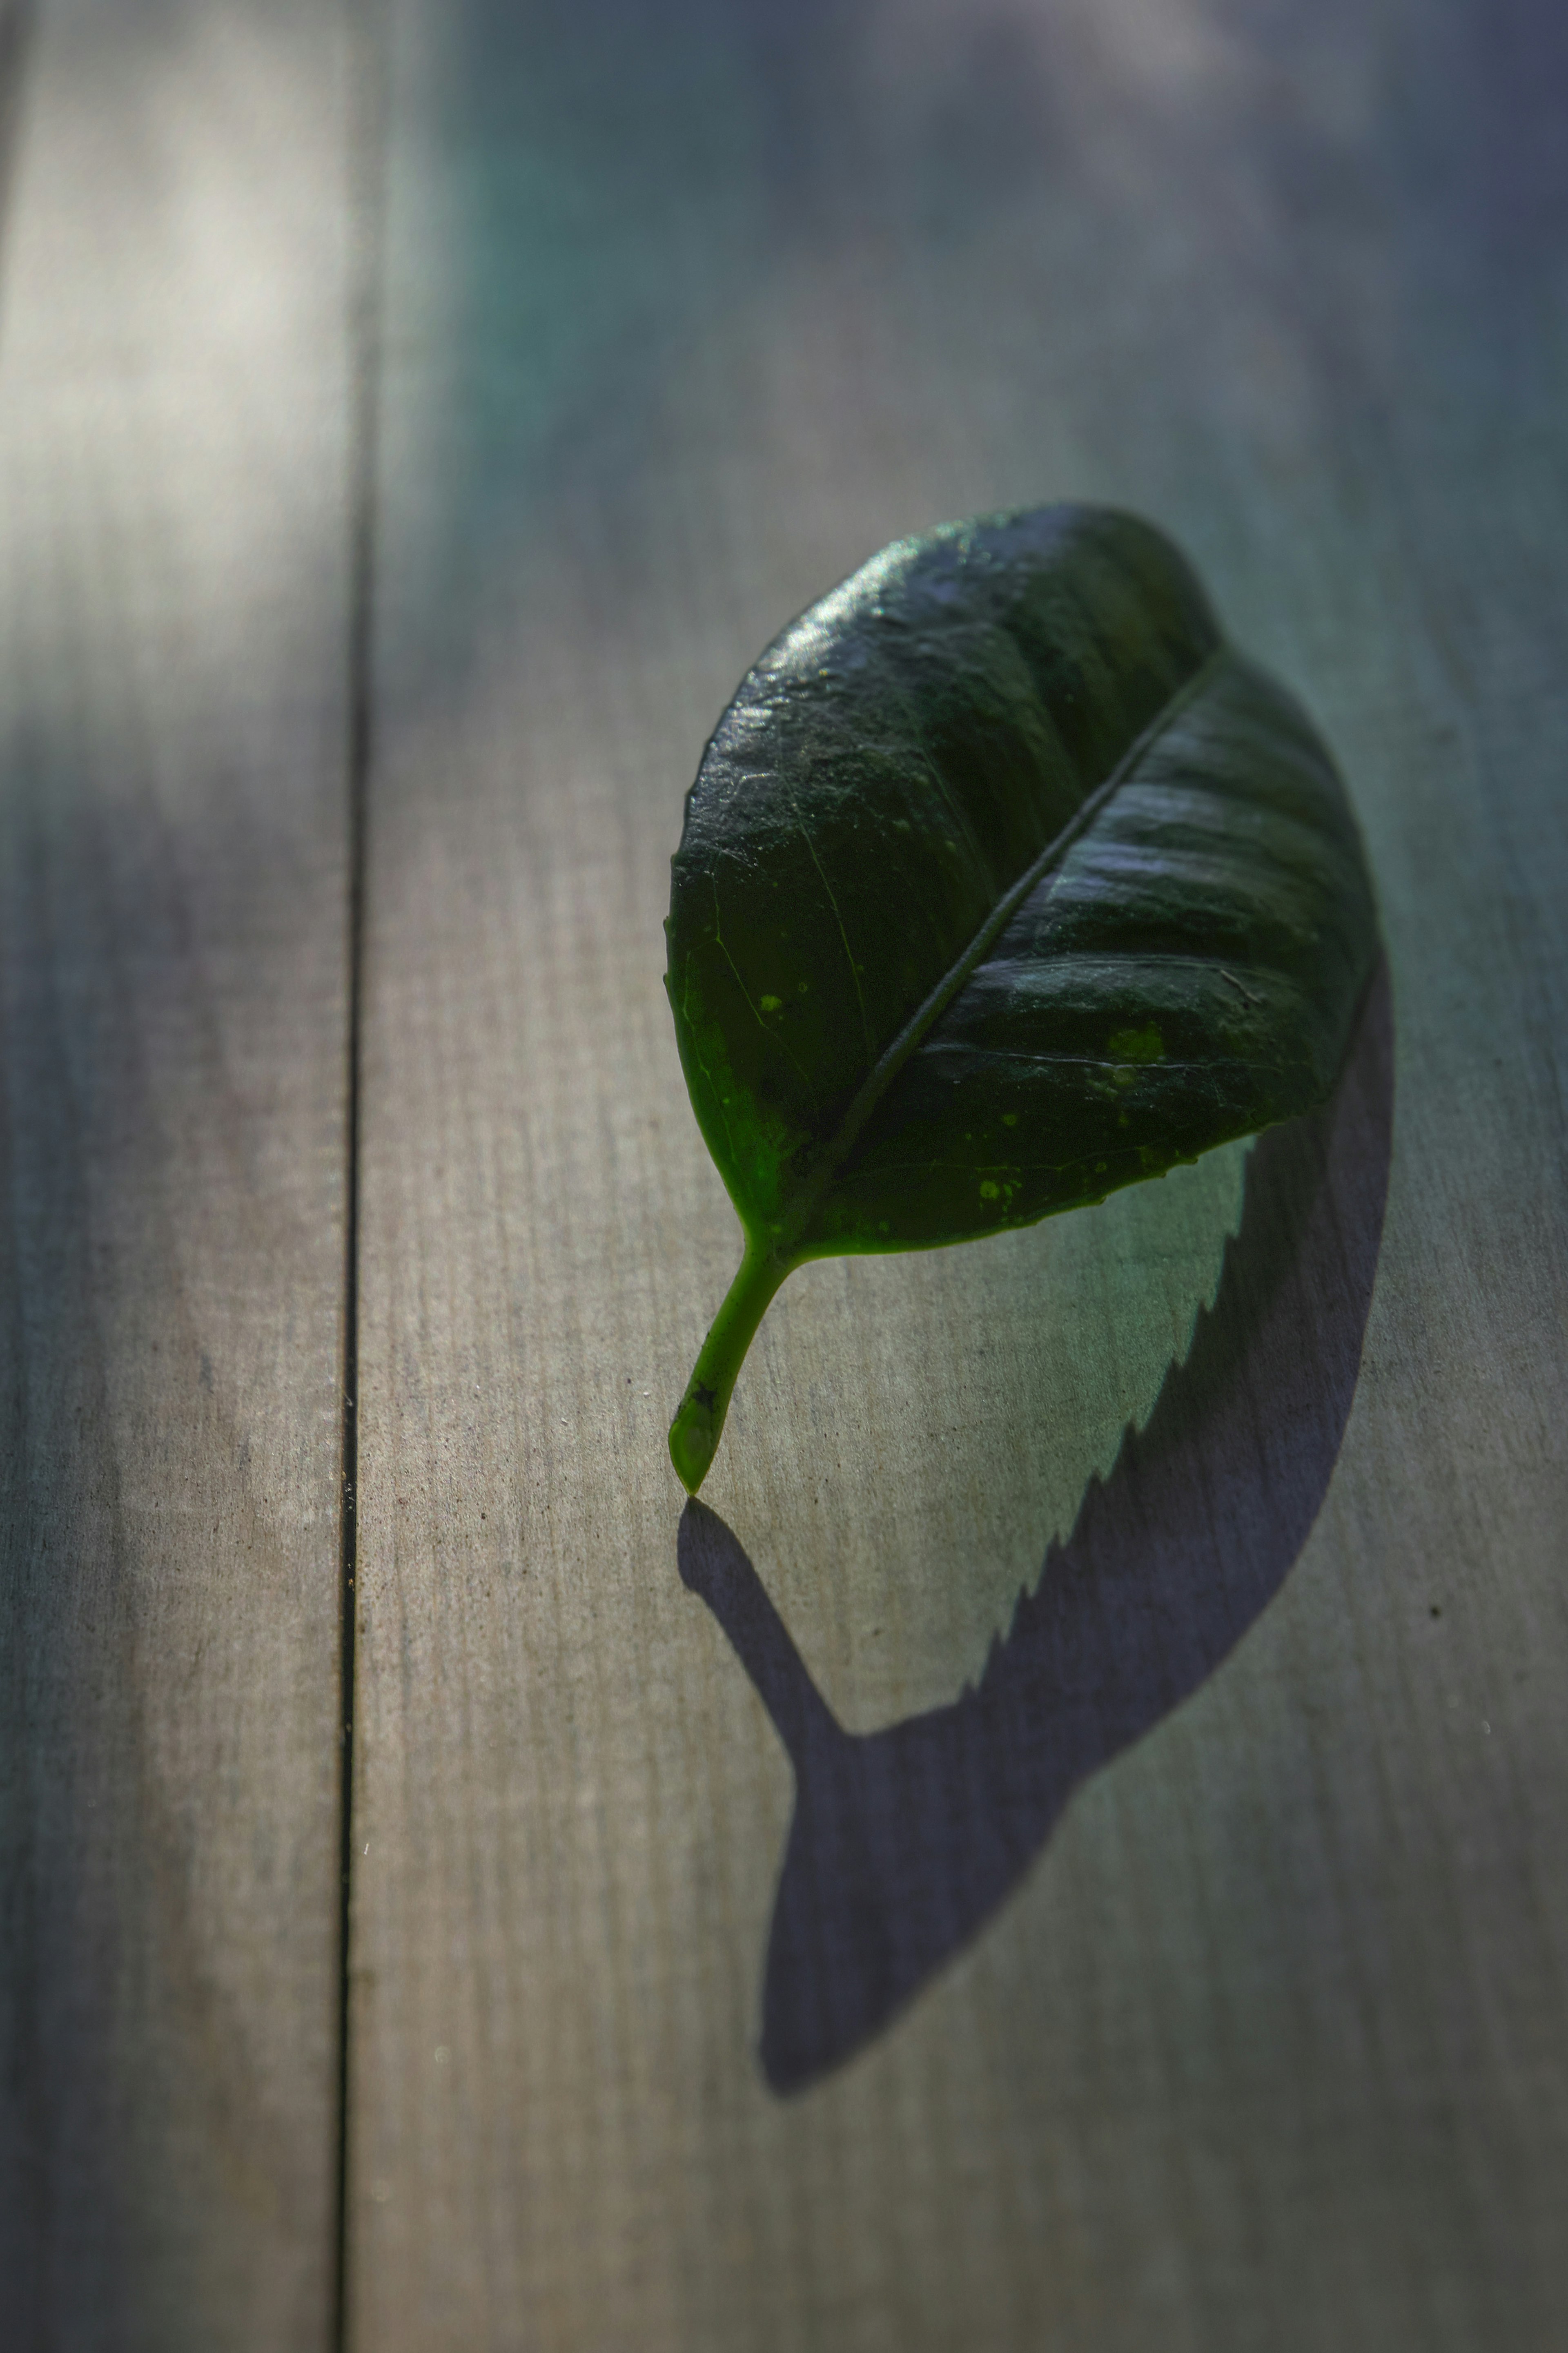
(848, 951)
(893, 1059)
(773, 1035)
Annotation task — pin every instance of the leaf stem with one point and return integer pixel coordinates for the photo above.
(695, 1431)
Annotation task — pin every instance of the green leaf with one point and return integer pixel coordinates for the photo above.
(1004, 882)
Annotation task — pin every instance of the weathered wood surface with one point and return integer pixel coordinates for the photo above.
(172, 970)
(1164, 1992)
(687, 310)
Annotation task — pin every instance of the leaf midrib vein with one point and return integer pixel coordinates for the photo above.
(884, 1070)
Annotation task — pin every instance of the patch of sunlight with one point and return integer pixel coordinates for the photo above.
(912, 1433)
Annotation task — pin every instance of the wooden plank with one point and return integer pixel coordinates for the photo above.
(173, 968)
(1263, 2044)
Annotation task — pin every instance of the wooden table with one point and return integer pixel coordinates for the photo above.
(414, 417)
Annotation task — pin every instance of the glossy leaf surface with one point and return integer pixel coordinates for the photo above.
(1004, 882)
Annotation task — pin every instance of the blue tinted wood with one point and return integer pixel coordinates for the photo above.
(689, 313)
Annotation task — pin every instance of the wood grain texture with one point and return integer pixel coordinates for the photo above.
(173, 971)
(686, 317)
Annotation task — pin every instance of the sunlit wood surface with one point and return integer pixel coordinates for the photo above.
(173, 1094)
(679, 313)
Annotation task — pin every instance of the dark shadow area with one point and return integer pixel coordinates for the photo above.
(904, 1841)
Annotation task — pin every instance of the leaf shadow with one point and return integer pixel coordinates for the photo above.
(905, 1840)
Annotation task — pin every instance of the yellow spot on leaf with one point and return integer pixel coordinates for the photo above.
(1137, 1045)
